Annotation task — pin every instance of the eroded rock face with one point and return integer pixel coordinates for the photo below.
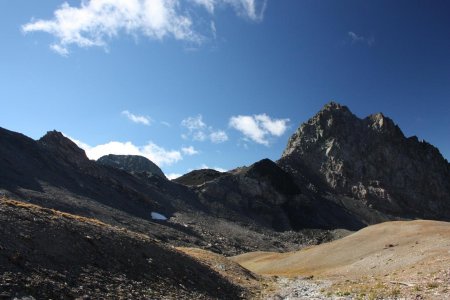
(131, 163)
(372, 161)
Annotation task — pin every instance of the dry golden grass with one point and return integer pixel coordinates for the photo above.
(388, 260)
(54, 212)
(376, 249)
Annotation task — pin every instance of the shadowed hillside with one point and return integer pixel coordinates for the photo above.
(38, 245)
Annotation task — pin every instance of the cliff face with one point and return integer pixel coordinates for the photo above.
(370, 160)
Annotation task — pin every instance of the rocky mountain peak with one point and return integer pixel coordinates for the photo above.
(371, 160)
(58, 143)
(332, 121)
(335, 107)
(331, 115)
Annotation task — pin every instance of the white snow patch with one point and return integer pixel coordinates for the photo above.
(158, 216)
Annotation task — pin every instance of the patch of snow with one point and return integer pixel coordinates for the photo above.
(158, 216)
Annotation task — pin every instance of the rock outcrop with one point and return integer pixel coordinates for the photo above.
(269, 196)
(369, 160)
(198, 177)
(63, 147)
(131, 163)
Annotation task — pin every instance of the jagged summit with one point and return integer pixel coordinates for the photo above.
(334, 106)
(370, 160)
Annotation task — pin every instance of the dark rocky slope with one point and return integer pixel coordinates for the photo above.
(131, 163)
(369, 166)
(53, 172)
(269, 197)
(47, 254)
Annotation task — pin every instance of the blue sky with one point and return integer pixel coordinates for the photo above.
(219, 83)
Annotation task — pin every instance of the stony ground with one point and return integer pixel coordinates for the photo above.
(47, 254)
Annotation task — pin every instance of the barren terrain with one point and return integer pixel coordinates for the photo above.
(47, 254)
(388, 260)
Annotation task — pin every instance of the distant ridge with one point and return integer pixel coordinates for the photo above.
(131, 163)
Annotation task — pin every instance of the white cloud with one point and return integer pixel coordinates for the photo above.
(361, 39)
(259, 127)
(194, 123)
(171, 176)
(59, 49)
(218, 136)
(136, 118)
(275, 127)
(96, 22)
(155, 153)
(199, 131)
(189, 150)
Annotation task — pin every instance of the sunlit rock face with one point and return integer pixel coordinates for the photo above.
(370, 160)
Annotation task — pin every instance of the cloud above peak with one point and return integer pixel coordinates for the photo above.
(259, 128)
(157, 154)
(96, 22)
(199, 131)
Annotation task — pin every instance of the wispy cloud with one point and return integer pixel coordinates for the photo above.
(189, 150)
(251, 9)
(96, 22)
(209, 5)
(199, 131)
(259, 127)
(136, 118)
(194, 123)
(355, 38)
(157, 154)
(218, 136)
